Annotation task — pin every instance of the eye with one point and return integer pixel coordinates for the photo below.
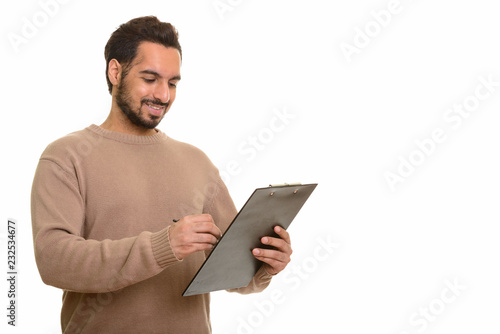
(149, 80)
(172, 84)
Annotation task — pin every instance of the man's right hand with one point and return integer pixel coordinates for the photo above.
(192, 234)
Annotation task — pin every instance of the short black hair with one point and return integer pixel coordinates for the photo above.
(124, 42)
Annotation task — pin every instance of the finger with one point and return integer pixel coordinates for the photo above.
(203, 223)
(276, 242)
(208, 228)
(275, 265)
(205, 238)
(279, 244)
(198, 234)
(283, 234)
(266, 255)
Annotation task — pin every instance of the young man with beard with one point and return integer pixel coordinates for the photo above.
(104, 199)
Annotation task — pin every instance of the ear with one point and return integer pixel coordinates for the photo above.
(114, 72)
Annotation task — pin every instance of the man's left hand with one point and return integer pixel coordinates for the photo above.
(275, 260)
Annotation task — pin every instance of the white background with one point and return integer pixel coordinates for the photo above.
(353, 118)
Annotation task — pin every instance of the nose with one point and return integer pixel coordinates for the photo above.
(162, 92)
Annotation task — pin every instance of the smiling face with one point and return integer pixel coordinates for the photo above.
(145, 89)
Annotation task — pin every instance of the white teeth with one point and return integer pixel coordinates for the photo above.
(156, 108)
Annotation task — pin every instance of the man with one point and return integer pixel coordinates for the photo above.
(104, 200)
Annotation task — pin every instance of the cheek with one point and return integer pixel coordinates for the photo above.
(143, 92)
(138, 91)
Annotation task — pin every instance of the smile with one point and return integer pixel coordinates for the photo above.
(154, 109)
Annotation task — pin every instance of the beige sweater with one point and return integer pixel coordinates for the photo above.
(102, 204)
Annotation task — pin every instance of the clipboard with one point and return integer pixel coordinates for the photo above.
(231, 263)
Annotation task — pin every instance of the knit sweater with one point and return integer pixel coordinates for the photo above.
(102, 204)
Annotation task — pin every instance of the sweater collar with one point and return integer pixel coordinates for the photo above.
(128, 138)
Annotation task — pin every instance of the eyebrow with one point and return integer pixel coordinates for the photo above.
(177, 77)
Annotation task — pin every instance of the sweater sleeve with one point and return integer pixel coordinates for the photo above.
(66, 260)
(223, 211)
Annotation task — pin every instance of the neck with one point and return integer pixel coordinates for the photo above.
(117, 121)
